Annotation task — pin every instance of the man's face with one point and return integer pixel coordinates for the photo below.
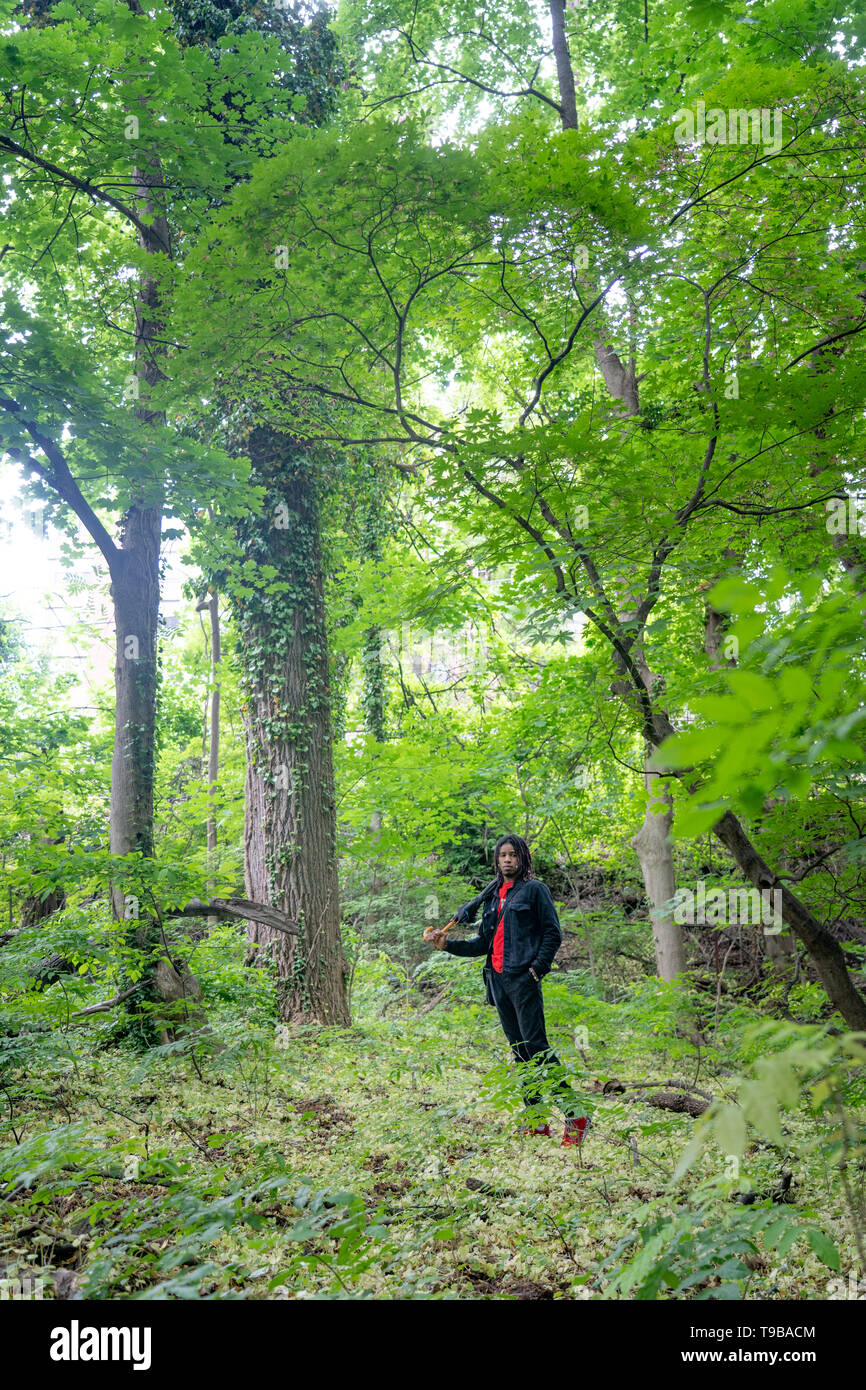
(508, 860)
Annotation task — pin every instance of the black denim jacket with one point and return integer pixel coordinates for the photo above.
(532, 934)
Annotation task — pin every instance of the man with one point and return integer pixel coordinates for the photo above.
(520, 934)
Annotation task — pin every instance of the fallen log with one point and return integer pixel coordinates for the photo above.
(476, 1185)
(675, 1085)
(615, 1085)
(49, 970)
(677, 1101)
(679, 1096)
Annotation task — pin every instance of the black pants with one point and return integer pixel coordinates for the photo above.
(520, 1007)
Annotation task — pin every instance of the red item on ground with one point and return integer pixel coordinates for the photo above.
(539, 1129)
(575, 1131)
(499, 935)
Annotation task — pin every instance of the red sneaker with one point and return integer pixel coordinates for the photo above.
(539, 1129)
(576, 1131)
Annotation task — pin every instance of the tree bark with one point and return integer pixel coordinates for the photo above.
(564, 70)
(135, 573)
(238, 910)
(652, 844)
(211, 733)
(35, 909)
(823, 948)
(135, 591)
(213, 757)
(290, 833)
(373, 696)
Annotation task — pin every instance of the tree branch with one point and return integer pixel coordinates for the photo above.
(82, 185)
(108, 1004)
(238, 909)
(60, 478)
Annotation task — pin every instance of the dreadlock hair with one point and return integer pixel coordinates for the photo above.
(524, 857)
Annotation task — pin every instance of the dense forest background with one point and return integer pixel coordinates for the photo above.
(423, 421)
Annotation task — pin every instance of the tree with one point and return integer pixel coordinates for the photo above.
(430, 254)
(278, 601)
(108, 134)
(290, 838)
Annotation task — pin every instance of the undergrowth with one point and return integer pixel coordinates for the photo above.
(384, 1160)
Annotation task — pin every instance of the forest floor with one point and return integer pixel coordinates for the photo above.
(383, 1161)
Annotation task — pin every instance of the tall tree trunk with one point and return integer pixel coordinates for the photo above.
(135, 573)
(290, 834)
(652, 844)
(654, 850)
(135, 590)
(213, 755)
(373, 694)
(564, 70)
(211, 733)
(822, 946)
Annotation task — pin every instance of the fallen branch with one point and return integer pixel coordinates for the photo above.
(476, 1185)
(108, 1004)
(630, 1144)
(437, 999)
(241, 909)
(678, 1102)
(679, 1097)
(676, 1085)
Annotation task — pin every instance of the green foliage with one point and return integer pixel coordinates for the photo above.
(697, 1250)
(402, 324)
(792, 700)
(246, 1179)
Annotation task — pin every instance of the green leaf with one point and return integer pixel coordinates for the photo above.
(756, 692)
(729, 1130)
(788, 1238)
(761, 1108)
(774, 1232)
(690, 1154)
(824, 1248)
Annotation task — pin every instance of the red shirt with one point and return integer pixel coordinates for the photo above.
(499, 934)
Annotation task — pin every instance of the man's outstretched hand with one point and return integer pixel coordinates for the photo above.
(437, 939)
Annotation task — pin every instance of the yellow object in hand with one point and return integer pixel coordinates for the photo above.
(429, 931)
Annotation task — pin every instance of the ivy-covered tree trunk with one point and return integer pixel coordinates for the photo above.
(373, 697)
(290, 838)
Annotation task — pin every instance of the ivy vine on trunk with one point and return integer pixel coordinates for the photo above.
(290, 831)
